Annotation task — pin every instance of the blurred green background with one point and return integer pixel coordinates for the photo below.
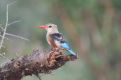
(92, 27)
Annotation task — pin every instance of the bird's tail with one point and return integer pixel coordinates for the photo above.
(72, 53)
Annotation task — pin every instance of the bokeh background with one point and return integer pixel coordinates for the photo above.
(92, 27)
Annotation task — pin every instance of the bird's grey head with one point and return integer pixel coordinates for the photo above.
(52, 28)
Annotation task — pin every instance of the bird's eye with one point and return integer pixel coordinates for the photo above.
(49, 26)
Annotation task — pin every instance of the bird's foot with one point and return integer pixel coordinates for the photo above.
(55, 49)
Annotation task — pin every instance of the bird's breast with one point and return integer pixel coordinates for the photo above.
(51, 42)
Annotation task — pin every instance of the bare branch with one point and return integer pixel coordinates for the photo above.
(11, 3)
(6, 24)
(35, 63)
(5, 37)
(5, 28)
(3, 55)
(17, 36)
(13, 22)
(1, 31)
(1, 27)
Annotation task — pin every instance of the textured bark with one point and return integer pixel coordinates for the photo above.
(33, 64)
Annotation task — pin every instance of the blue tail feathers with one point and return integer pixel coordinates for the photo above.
(66, 46)
(71, 52)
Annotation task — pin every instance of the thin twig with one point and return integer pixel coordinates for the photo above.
(1, 27)
(5, 28)
(2, 55)
(11, 3)
(6, 24)
(13, 22)
(17, 36)
(5, 37)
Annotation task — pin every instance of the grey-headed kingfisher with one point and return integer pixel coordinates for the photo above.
(56, 40)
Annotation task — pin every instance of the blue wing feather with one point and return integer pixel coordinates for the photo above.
(66, 46)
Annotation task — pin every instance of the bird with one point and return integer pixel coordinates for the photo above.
(56, 39)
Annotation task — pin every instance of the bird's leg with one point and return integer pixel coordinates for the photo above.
(52, 49)
(55, 49)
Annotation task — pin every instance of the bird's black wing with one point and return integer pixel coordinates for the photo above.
(57, 36)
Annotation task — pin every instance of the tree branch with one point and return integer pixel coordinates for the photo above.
(33, 64)
(6, 24)
(17, 36)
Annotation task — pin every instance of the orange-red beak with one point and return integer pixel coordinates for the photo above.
(43, 27)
